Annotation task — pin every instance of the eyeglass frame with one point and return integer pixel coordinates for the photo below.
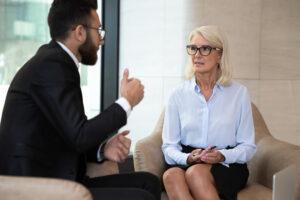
(201, 47)
(100, 31)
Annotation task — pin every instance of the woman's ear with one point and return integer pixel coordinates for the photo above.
(80, 33)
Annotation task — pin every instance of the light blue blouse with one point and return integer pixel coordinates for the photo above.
(224, 120)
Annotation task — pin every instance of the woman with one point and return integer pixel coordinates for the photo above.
(208, 133)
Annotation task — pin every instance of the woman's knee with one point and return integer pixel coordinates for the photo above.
(171, 175)
(199, 171)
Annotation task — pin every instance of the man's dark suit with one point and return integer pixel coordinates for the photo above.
(44, 131)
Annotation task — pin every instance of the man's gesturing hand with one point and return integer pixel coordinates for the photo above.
(117, 148)
(131, 89)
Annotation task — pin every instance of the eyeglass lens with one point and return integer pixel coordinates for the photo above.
(101, 33)
(204, 50)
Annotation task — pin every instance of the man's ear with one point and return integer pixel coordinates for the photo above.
(80, 33)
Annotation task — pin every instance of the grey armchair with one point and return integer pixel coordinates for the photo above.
(272, 156)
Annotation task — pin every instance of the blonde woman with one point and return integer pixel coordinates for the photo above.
(208, 133)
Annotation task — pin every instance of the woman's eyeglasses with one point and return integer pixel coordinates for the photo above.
(204, 50)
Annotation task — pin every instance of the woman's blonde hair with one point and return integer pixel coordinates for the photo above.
(216, 38)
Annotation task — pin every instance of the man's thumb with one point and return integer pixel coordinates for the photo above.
(125, 74)
(124, 133)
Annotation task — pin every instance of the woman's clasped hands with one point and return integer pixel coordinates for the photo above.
(209, 155)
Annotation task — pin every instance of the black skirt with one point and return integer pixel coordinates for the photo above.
(229, 180)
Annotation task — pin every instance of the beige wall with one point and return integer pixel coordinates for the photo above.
(264, 37)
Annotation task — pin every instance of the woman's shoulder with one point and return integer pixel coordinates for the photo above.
(179, 91)
(236, 85)
(237, 89)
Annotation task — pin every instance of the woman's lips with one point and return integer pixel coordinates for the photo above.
(198, 63)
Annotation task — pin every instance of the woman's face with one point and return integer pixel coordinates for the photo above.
(204, 64)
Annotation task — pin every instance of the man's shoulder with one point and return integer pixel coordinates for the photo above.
(52, 52)
(51, 64)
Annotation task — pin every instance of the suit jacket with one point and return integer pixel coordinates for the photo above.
(44, 130)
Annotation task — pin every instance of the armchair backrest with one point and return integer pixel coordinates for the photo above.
(32, 188)
(260, 126)
(148, 154)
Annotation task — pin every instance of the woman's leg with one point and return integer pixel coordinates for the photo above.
(201, 182)
(175, 184)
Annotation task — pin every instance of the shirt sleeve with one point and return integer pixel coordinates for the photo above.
(127, 108)
(125, 105)
(171, 146)
(245, 135)
(55, 89)
(100, 152)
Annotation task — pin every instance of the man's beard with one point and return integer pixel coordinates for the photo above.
(88, 52)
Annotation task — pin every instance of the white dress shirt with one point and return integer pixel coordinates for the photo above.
(224, 120)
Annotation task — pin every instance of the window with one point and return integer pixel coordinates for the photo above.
(24, 28)
(152, 47)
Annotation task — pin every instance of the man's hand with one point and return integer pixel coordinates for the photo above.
(117, 148)
(131, 89)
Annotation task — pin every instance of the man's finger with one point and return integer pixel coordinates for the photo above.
(125, 74)
(123, 152)
(124, 133)
(118, 157)
(124, 142)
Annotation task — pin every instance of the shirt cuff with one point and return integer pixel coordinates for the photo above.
(125, 105)
(225, 164)
(227, 156)
(100, 152)
(183, 161)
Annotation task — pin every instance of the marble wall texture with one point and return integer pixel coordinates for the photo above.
(264, 37)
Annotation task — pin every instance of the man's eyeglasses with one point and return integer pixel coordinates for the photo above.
(204, 50)
(101, 31)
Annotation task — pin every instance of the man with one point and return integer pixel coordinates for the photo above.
(44, 131)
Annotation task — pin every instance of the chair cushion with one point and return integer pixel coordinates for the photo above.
(251, 192)
(255, 192)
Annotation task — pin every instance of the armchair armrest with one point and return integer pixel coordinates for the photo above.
(272, 156)
(29, 188)
(148, 155)
(102, 169)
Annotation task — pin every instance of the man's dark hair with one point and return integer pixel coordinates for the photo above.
(66, 14)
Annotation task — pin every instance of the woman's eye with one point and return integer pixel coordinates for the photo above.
(206, 48)
(193, 48)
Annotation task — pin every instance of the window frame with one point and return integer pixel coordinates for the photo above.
(110, 53)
